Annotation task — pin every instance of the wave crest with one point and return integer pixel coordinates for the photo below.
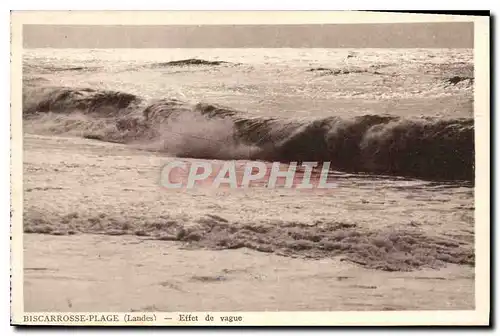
(431, 148)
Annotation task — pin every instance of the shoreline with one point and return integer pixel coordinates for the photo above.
(105, 273)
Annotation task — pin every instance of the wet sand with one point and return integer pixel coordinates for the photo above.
(102, 273)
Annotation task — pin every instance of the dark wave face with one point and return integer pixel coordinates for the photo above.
(428, 148)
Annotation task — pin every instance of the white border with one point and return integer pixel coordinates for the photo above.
(478, 317)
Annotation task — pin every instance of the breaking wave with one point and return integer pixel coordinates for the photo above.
(429, 148)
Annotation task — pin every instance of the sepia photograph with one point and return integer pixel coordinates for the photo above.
(246, 168)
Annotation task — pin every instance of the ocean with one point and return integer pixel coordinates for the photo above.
(397, 126)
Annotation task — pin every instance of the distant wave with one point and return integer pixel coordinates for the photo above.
(37, 68)
(343, 71)
(429, 148)
(189, 61)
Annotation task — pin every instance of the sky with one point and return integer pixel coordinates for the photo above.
(380, 35)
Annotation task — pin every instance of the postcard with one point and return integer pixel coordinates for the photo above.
(218, 168)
